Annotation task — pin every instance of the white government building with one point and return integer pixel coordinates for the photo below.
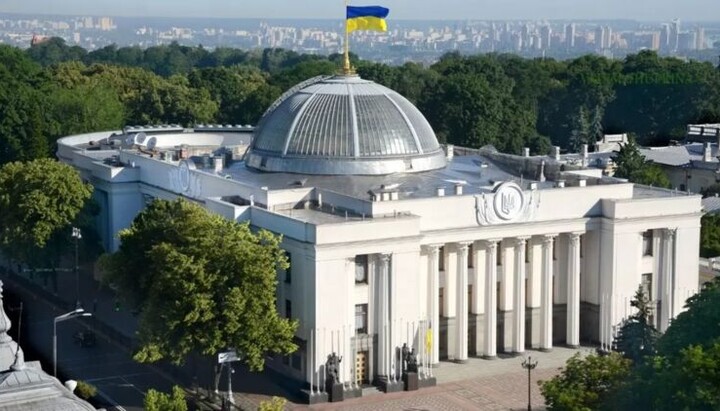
(394, 239)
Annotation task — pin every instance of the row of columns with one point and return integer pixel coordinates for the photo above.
(487, 284)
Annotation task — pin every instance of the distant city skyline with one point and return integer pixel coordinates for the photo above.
(694, 10)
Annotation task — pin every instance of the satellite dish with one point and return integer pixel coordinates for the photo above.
(140, 138)
(151, 143)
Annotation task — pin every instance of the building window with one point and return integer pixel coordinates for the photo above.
(499, 255)
(553, 244)
(647, 285)
(361, 269)
(647, 289)
(288, 270)
(361, 318)
(582, 246)
(288, 309)
(441, 259)
(648, 243)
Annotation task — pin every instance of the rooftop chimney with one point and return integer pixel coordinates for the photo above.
(458, 189)
(526, 152)
(441, 191)
(707, 152)
(582, 182)
(450, 152)
(218, 163)
(555, 153)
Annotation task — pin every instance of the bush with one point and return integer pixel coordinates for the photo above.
(85, 390)
(159, 401)
(274, 404)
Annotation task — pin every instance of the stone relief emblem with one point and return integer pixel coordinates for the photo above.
(508, 203)
(182, 180)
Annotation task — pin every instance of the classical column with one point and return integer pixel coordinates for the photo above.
(490, 346)
(433, 303)
(461, 306)
(383, 324)
(667, 266)
(519, 296)
(546, 293)
(573, 290)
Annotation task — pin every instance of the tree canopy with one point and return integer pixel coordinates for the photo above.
(201, 283)
(504, 100)
(38, 198)
(680, 372)
(631, 164)
(637, 337)
(585, 383)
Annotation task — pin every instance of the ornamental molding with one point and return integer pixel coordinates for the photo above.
(508, 203)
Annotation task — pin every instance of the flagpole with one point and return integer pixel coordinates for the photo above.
(347, 70)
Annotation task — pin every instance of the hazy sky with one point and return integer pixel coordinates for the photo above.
(399, 9)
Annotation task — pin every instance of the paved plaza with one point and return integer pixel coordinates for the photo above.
(499, 384)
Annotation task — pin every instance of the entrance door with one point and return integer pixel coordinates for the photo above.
(361, 368)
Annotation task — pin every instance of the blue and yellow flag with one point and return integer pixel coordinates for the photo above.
(366, 18)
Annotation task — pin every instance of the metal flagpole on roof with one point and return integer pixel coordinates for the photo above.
(347, 70)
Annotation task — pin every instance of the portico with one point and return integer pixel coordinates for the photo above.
(496, 283)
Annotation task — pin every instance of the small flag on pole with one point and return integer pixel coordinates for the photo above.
(366, 18)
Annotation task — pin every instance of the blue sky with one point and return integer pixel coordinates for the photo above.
(400, 9)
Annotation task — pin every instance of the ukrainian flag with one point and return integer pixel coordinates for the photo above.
(366, 18)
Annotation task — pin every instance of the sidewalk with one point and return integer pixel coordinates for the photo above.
(109, 365)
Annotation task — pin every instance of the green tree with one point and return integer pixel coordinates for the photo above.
(54, 50)
(85, 108)
(698, 324)
(637, 338)
(596, 128)
(159, 401)
(23, 108)
(710, 235)
(685, 372)
(38, 198)
(585, 382)
(629, 161)
(580, 132)
(631, 164)
(202, 284)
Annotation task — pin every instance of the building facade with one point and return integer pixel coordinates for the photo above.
(394, 240)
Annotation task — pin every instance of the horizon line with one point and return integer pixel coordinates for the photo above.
(626, 19)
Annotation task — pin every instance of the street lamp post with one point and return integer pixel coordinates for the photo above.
(529, 365)
(231, 397)
(78, 312)
(77, 235)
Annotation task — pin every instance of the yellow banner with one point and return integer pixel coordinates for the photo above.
(366, 23)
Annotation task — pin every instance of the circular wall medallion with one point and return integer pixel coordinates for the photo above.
(184, 169)
(509, 201)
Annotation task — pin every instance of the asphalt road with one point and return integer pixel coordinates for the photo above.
(108, 366)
